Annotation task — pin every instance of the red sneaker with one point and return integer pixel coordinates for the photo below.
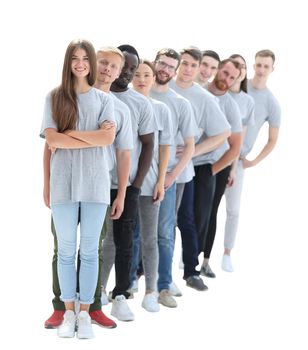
(55, 319)
(99, 318)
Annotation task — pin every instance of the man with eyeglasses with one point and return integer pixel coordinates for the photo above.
(166, 63)
(214, 130)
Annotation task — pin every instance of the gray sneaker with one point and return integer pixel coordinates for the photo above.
(166, 299)
(207, 271)
(196, 282)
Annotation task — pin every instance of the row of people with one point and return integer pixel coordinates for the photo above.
(161, 154)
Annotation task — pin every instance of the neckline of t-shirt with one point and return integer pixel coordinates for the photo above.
(87, 92)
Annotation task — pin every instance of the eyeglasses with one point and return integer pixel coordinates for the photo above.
(164, 65)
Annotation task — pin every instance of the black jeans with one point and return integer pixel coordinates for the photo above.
(204, 194)
(123, 231)
(221, 183)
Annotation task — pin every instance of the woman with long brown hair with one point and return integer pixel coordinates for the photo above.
(77, 124)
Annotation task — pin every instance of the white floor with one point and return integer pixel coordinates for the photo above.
(259, 306)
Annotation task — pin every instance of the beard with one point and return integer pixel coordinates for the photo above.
(163, 81)
(221, 84)
(122, 82)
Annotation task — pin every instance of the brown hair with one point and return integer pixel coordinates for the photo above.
(266, 53)
(243, 85)
(148, 63)
(168, 53)
(64, 98)
(235, 63)
(194, 52)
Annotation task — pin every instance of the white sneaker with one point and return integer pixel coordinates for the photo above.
(67, 327)
(226, 263)
(174, 290)
(120, 309)
(104, 297)
(166, 299)
(84, 330)
(150, 302)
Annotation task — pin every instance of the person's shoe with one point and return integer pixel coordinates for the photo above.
(120, 309)
(131, 296)
(84, 326)
(174, 290)
(55, 319)
(104, 297)
(99, 318)
(165, 298)
(207, 271)
(226, 263)
(196, 282)
(134, 287)
(150, 302)
(67, 327)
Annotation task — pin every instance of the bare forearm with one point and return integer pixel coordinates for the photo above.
(60, 140)
(123, 168)
(265, 152)
(235, 141)
(210, 144)
(164, 155)
(46, 164)
(100, 137)
(268, 148)
(186, 157)
(144, 164)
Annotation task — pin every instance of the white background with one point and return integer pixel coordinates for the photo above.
(263, 304)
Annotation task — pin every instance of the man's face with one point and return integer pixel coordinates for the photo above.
(208, 68)
(165, 69)
(188, 68)
(226, 77)
(263, 67)
(128, 71)
(109, 66)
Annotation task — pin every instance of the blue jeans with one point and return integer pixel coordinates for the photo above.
(187, 226)
(65, 218)
(166, 225)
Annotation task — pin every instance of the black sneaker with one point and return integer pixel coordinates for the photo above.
(207, 271)
(196, 282)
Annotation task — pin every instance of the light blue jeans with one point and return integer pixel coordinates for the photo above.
(66, 218)
(166, 226)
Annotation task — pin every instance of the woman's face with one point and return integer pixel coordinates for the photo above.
(243, 69)
(143, 79)
(80, 63)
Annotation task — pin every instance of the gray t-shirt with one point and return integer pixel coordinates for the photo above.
(267, 109)
(123, 139)
(208, 115)
(143, 123)
(182, 120)
(163, 136)
(81, 175)
(233, 115)
(246, 105)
